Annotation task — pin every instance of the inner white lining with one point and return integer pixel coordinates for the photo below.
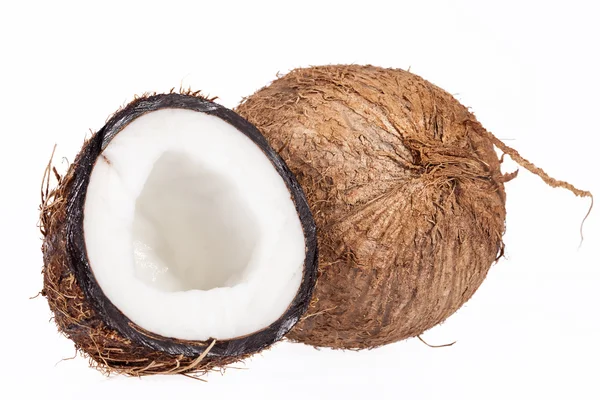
(189, 229)
(192, 228)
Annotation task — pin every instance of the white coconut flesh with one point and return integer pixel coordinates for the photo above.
(189, 229)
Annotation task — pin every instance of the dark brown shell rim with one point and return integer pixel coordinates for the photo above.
(79, 262)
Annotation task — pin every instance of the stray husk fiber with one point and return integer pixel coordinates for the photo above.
(406, 190)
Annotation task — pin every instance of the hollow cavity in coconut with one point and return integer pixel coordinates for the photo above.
(406, 190)
(178, 241)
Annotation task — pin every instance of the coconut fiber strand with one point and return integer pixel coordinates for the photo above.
(406, 190)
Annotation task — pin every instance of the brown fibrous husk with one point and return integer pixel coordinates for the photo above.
(406, 189)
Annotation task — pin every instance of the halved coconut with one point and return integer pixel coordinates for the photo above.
(178, 241)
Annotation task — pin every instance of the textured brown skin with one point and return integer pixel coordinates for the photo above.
(406, 191)
(108, 350)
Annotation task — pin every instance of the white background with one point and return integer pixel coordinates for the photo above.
(528, 69)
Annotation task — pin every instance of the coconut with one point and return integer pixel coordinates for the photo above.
(406, 190)
(177, 242)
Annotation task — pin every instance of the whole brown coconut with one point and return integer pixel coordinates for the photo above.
(406, 190)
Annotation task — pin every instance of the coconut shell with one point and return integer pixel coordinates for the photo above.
(406, 190)
(82, 311)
